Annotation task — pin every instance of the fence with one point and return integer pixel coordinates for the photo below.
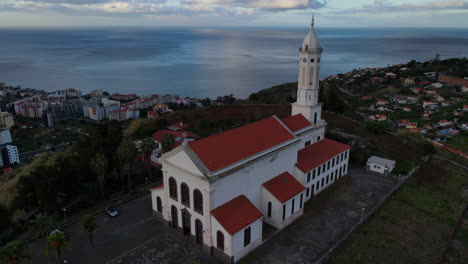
(348, 235)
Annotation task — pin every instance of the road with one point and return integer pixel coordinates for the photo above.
(114, 236)
(136, 237)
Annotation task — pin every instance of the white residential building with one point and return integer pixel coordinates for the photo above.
(218, 190)
(5, 136)
(380, 165)
(9, 155)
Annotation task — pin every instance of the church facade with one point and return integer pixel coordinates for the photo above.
(220, 190)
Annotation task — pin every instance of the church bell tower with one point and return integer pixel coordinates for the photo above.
(308, 83)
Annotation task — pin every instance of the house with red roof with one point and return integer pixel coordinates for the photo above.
(220, 189)
(382, 102)
(417, 90)
(178, 126)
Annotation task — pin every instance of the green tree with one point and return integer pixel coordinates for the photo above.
(127, 153)
(100, 165)
(4, 217)
(147, 147)
(377, 127)
(14, 252)
(88, 223)
(57, 241)
(41, 225)
(168, 142)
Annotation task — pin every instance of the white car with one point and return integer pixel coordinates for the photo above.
(111, 212)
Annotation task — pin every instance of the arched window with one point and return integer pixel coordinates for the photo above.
(220, 240)
(158, 204)
(185, 194)
(247, 236)
(269, 209)
(198, 201)
(315, 118)
(173, 188)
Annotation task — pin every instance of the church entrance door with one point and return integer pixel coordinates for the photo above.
(175, 219)
(186, 225)
(199, 231)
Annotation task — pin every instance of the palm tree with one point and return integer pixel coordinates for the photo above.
(99, 164)
(88, 223)
(41, 225)
(168, 142)
(14, 252)
(57, 241)
(127, 153)
(147, 147)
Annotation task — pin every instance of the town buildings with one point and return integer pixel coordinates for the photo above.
(218, 190)
(5, 137)
(380, 165)
(6, 120)
(9, 155)
(32, 107)
(124, 114)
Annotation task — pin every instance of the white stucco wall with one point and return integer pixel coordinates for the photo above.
(276, 209)
(215, 227)
(248, 180)
(238, 249)
(311, 135)
(379, 168)
(193, 182)
(276, 218)
(332, 173)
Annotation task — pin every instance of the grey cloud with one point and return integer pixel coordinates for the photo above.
(267, 5)
(383, 6)
(88, 2)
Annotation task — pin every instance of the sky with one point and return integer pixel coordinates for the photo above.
(225, 13)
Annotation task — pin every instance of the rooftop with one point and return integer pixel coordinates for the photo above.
(318, 153)
(227, 148)
(236, 214)
(296, 122)
(284, 187)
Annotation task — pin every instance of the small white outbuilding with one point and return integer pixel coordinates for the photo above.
(380, 165)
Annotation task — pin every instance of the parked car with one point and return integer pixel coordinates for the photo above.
(111, 212)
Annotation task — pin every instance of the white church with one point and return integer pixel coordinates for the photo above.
(221, 189)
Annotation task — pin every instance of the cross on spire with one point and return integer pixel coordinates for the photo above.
(313, 18)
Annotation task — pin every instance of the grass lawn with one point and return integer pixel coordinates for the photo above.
(415, 225)
(459, 142)
(33, 138)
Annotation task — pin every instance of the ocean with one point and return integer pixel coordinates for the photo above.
(203, 62)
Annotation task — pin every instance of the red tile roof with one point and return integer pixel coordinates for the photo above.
(222, 150)
(157, 187)
(296, 122)
(318, 153)
(284, 187)
(236, 214)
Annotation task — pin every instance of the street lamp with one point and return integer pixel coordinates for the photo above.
(362, 213)
(65, 213)
(146, 178)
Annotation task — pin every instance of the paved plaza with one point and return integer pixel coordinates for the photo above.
(136, 237)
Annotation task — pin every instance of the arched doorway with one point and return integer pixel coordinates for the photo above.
(175, 219)
(199, 231)
(159, 205)
(186, 225)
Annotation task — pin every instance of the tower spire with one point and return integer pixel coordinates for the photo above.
(313, 18)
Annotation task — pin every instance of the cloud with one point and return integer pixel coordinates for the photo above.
(383, 6)
(268, 5)
(159, 7)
